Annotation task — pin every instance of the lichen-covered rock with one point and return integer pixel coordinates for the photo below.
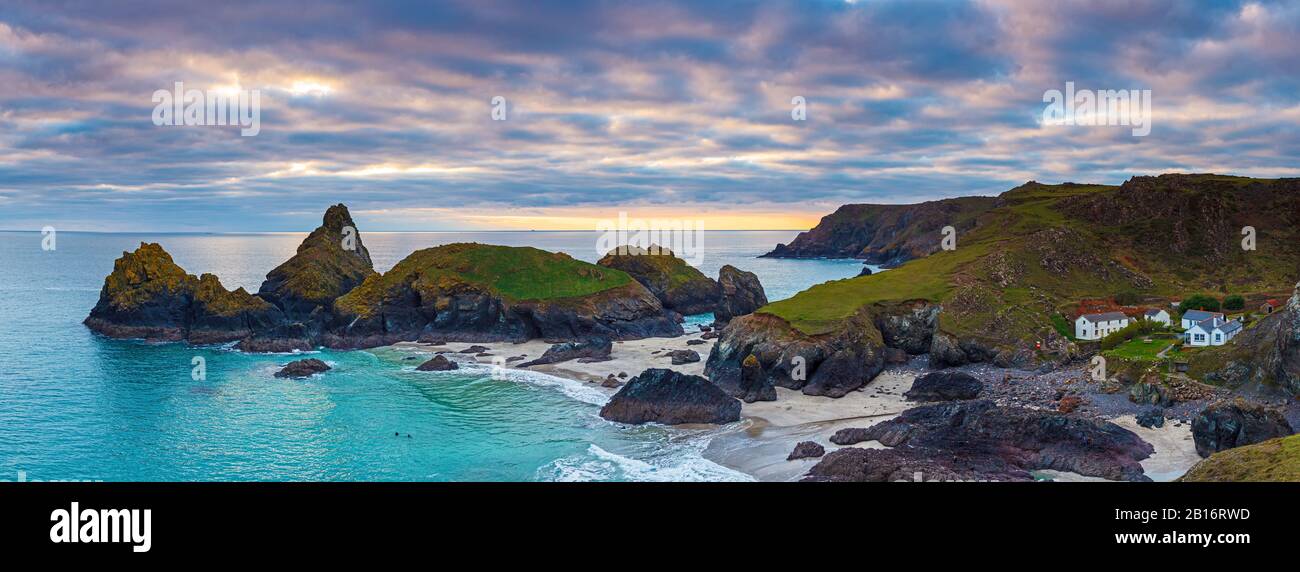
(149, 296)
(741, 294)
(1228, 424)
(303, 368)
(679, 286)
(669, 397)
(910, 328)
(751, 385)
(329, 263)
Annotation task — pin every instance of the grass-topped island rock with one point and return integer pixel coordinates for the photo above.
(482, 292)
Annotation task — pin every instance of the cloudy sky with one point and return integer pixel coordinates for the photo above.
(658, 109)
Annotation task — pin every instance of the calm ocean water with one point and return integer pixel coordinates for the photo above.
(75, 406)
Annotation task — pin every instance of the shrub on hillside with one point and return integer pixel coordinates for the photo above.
(1234, 303)
(1199, 302)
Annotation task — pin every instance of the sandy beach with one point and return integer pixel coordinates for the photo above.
(759, 444)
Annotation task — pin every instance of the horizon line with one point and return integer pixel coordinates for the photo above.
(214, 232)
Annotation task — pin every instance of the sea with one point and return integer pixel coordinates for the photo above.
(75, 406)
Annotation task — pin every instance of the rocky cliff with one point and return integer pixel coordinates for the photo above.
(887, 235)
(1035, 252)
(1265, 355)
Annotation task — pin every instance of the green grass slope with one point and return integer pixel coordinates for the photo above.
(511, 273)
(1276, 460)
(1042, 248)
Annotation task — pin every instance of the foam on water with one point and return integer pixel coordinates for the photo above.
(685, 464)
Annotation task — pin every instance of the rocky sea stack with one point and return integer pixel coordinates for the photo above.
(329, 294)
(679, 286)
(330, 262)
(685, 290)
(148, 296)
(481, 292)
(669, 397)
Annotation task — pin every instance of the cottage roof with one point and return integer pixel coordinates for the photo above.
(1104, 316)
(1199, 316)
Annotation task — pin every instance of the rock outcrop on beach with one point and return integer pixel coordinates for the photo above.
(806, 450)
(887, 235)
(330, 262)
(303, 368)
(1275, 460)
(437, 363)
(592, 350)
(149, 296)
(1229, 424)
(480, 292)
(829, 365)
(740, 294)
(980, 440)
(672, 398)
(679, 286)
(944, 386)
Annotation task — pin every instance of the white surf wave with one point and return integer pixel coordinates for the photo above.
(681, 464)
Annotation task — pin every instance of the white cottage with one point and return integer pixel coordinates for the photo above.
(1160, 316)
(1098, 326)
(1213, 331)
(1193, 317)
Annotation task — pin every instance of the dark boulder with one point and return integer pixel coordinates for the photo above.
(595, 349)
(303, 368)
(1151, 417)
(668, 397)
(944, 386)
(438, 363)
(806, 450)
(983, 440)
(866, 271)
(1150, 392)
(1228, 424)
(474, 349)
(682, 357)
(853, 464)
(741, 294)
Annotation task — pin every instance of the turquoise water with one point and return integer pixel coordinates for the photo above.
(75, 406)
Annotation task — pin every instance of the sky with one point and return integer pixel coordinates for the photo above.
(657, 109)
